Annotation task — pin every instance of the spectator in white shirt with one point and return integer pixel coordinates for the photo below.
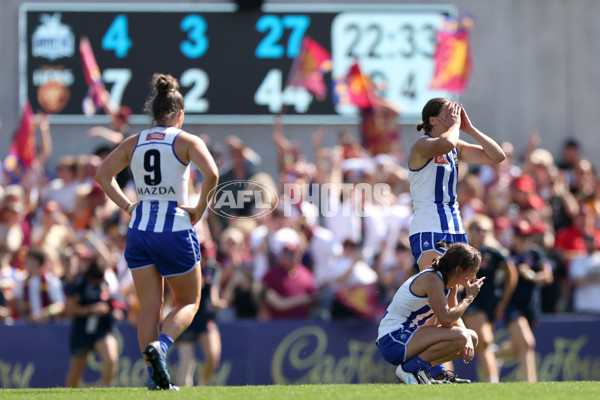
(584, 274)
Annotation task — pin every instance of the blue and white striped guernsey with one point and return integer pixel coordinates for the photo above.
(161, 182)
(407, 311)
(433, 192)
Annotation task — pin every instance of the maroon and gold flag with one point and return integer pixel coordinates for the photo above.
(22, 153)
(94, 101)
(362, 300)
(452, 57)
(361, 91)
(309, 66)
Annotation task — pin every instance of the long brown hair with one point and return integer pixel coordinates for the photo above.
(459, 255)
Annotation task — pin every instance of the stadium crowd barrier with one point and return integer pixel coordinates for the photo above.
(287, 352)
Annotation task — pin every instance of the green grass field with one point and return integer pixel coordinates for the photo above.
(479, 391)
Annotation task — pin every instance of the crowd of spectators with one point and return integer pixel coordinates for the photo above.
(335, 244)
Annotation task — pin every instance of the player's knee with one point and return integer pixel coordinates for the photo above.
(524, 344)
(196, 305)
(459, 337)
(530, 343)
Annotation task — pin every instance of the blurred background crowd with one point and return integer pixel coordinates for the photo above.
(329, 252)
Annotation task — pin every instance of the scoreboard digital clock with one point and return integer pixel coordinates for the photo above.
(232, 66)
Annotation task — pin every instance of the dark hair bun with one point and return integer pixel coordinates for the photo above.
(164, 83)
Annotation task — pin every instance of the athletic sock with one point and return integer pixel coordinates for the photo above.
(415, 364)
(165, 343)
(436, 370)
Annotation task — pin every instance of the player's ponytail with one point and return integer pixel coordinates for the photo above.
(165, 101)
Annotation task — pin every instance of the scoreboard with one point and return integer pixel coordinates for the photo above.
(232, 66)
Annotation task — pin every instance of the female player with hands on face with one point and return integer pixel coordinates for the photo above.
(407, 341)
(433, 173)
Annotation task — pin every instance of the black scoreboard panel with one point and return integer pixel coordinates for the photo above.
(232, 66)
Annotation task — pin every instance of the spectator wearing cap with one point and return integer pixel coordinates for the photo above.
(525, 193)
(570, 243)
(289, 289)
(120, 119)
(584, 275)
(524, 306)
(570, 240)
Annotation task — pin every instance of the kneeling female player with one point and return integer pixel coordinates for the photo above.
(404, 339)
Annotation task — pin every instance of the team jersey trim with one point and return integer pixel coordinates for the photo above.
(173, 149)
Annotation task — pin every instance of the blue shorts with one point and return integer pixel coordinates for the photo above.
(173, 253)
(426, 241)
(393, 346)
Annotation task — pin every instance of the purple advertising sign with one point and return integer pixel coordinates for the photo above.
(285, 352)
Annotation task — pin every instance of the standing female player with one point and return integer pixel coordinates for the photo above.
(433, 173)
(404, 338)
(161, 243)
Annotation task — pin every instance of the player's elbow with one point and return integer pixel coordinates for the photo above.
(102, 178)
(445, 320)
(446, 324)
(211, 176)
(498, 158)
(445, 144)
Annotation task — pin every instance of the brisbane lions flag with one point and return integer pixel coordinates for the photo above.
(94, 101)
(22, 152)
(452, 57)
(309, 67)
